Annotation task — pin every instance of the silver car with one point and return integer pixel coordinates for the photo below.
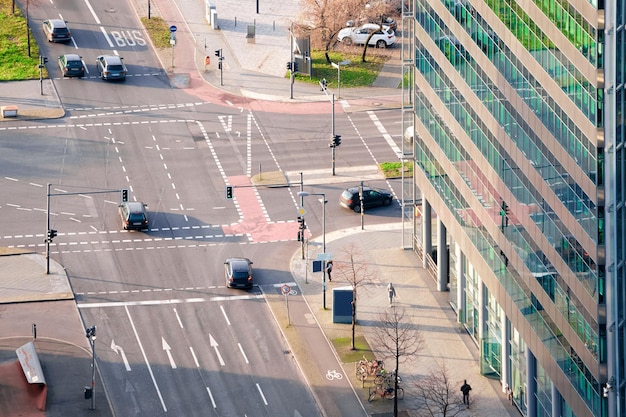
(111, 67)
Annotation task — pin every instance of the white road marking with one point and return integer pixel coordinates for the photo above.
(145, 358)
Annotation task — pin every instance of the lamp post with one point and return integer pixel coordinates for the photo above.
(338, 66)
(91, 336)
(306, 194)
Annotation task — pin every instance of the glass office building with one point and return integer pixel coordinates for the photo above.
(518, 149)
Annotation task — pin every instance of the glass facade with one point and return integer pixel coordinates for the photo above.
(519, 151)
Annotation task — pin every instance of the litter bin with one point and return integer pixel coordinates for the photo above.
(342, 304)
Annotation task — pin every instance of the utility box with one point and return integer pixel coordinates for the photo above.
(9, 111)
(342, 304)
(251, 34)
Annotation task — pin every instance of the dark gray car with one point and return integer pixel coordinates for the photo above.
(238, 272)
(133, 215)
(372, 197)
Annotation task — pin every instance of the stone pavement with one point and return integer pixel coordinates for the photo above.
(444, 340)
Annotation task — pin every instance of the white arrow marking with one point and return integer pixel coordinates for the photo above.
(217, 352)
(167, 349)
(118, 349)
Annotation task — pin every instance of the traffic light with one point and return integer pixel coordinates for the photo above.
(229, 192)
(218, 53)
(295, 66)
(299, 235)
(324, 84)
(289, 66)
(51, 234)
(336, 140)
(124, 195)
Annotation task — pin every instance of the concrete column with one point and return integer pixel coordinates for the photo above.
(427, 234)
(505, 363)
(460, 285)
(556, 401)
(531, 386)
(482, 312)
(442, 257)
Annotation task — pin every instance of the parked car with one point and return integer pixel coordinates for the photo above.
(72, 65)
(133, 215)
(372, 197)
(111, 67)
(386, 20)
(382, 38)
(238, 272)
(56, 30)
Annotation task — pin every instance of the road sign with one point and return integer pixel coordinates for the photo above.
(173, 28)
(285, 289)
(324, 257)
(301, 211)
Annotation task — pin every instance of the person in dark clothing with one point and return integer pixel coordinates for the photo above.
(465, 389)
(329, 269)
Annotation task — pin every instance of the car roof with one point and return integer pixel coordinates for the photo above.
(72, 57)
(111, 59)
(57, 23)
(356, 189)
(135, 206)
(373, 26)
(238, 260)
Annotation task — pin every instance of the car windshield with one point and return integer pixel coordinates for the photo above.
(240, 269)
(60, 31)
(136, 217)
(115, 68)
(74, 64)
(346, 194)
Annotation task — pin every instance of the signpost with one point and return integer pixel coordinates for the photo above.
(173, 30)
(286, 289)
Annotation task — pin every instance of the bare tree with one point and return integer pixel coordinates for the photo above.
(398, 339)
(354, 269)
(323, 19)
(437, 395)
(377, 10)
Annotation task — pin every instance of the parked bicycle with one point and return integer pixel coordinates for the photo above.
(386, 378)
(387, 392)
(365, 368)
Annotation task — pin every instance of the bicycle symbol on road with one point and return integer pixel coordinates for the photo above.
(330, 375)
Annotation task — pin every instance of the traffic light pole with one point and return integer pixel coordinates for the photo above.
(333, 134)
(47, 231)
(220, 58)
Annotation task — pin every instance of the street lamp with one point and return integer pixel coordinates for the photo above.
(91, 336)
(338, 66)
(306, 194)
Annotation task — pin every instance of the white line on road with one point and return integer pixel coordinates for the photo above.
(180, 323)
(145, 358)
(211, 397)
(195, 358)
(225, 316)
(261, 392)
(165, 302)
(243, 353)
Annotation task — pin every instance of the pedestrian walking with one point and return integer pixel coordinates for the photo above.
(329, 269)
(391, 292)
(465, 389)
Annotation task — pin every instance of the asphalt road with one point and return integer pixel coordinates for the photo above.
(171, 337)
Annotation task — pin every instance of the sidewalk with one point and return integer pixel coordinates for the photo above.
(444, 339)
